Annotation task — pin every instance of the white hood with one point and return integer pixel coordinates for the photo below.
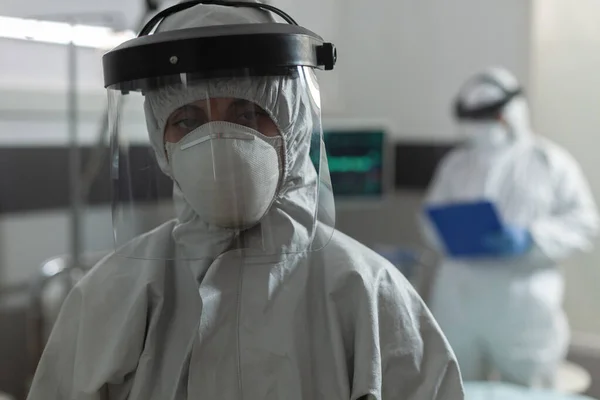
(288, 226)
(476, 94)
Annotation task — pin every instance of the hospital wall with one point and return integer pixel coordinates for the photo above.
(33, 79)
(565, 91)
(400, 62)
(390, 68)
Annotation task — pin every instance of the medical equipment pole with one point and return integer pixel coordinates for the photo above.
(70, 269)
(74, 157)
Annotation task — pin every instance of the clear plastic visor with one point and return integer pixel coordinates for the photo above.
(229, 163)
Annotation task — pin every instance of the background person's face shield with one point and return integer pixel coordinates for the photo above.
(226, 159)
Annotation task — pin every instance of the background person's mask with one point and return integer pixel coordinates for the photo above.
(485, 134)
(228, 173)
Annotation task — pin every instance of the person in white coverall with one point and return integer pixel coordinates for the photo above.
(503, 314)
(239, 299)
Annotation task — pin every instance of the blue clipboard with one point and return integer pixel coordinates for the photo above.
(463, 226)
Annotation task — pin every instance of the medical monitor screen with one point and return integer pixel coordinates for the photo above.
(355, 161)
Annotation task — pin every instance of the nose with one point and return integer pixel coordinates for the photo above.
(217, 109)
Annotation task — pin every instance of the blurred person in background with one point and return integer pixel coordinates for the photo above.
(246, 294)
(503, 314)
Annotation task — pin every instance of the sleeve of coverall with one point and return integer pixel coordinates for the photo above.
(573, 224)
(88, 348)
(399, 350)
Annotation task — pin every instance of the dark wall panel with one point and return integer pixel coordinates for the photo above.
(415, 164)
(37, 178)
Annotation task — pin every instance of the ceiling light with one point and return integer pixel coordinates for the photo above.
(62, 33)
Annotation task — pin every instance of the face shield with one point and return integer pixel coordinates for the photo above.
(482, 99)
(481, 107)
(213, 129)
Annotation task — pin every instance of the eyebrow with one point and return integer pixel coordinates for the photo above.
(245, 103)
(242, 102)
(183, 108)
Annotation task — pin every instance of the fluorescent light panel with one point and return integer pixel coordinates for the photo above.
(62, 33)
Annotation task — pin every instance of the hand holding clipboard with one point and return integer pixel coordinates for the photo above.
(474, 229)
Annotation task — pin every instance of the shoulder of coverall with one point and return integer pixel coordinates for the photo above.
(557, 158)
(344, 260)
(453, 156)
(364, 287)
(118, 272)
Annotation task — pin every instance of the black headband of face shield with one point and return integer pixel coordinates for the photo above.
(250, 49)
(490, 111)
(184, 5)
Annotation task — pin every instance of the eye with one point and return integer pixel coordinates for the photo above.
(251, 115)
(183, 121)
(188, 124)
(188, 118)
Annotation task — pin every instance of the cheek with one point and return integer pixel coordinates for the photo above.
(268, 128)
(172, 135)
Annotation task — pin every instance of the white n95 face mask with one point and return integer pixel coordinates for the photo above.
(228, 173)
(485, 134)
